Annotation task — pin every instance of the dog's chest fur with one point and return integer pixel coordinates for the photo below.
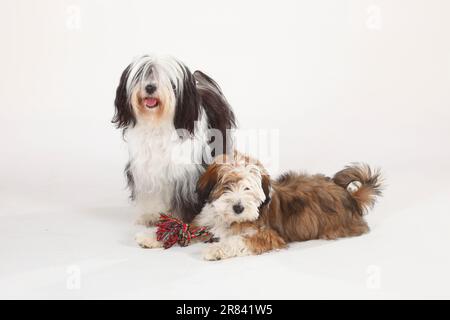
(163, 168)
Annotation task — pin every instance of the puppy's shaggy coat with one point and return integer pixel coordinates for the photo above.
(252, 214)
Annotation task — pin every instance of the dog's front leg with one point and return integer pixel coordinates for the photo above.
(147, 219)
(234, 246)
(150, 206)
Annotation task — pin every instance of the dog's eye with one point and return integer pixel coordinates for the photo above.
(246, 189)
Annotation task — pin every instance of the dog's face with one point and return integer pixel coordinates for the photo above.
(157, 91)
(153, 95)
(232, 193)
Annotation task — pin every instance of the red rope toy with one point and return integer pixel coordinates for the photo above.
(172, 230)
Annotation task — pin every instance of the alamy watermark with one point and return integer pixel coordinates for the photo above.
(373, 280)
(374, 20)
(73, 17)
(73, 280)
(261, 144)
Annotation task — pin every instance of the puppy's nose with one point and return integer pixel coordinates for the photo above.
(238, 208)
(150, 88)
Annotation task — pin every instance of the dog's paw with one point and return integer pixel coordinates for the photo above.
(147, 240)
(215, 253)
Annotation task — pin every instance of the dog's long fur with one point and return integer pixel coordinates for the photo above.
(301, 207)
(167, 114)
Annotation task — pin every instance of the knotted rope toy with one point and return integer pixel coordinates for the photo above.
(172, 230)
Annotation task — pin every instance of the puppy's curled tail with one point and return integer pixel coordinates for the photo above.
(363, 184)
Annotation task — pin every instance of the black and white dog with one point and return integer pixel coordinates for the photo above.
(174, 122)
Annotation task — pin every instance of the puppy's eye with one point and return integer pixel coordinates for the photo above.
(246, 189)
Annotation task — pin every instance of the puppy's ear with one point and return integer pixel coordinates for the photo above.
(187, 110)
(124, 116)
(206, 183)
(218, 110)
(267, 188)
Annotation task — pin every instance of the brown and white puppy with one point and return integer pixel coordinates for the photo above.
(251, 214)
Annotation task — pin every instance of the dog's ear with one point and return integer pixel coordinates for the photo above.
(207, 182)
(218, 110)
(267, 188)
(187, 110)
(204, 81)
(124, 116)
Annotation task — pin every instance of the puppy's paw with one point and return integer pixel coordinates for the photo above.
(147, 240)
(214, 253)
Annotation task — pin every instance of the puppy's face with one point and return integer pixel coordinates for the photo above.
(232, 193)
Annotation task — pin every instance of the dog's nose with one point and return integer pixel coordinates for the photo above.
(238, 208)
(150, 88)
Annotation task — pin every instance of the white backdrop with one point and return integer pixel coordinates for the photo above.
(342, 81)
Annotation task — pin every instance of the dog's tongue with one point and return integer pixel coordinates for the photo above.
(151, 102)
